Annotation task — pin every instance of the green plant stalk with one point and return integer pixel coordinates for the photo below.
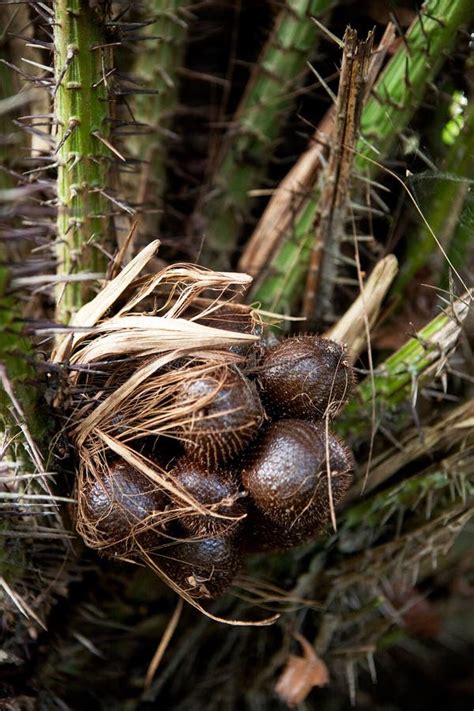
(425, 494)
(384, 527)
(158, 65)
(82, 115)
(444, 211)
(258, 121)
(405, 559)
(18, 381)
(462, 246)
(287, 272)
(16, 351)
(382, 560)
(392, 535)
(395, 380)
(15, 354)
(8, 87)
(395, 97)
(402, 84)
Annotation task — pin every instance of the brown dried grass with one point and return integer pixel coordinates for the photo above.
(124, 359)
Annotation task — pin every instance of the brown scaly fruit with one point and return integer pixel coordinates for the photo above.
(119, 512)
(305, 377)
(228, 420)
(215, 489)
(286, 474)
(201, 569)
(259, 534)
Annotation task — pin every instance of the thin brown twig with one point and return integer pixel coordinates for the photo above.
(332, 209)
(164, 642)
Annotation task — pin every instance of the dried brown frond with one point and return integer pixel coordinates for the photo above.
(133, 351)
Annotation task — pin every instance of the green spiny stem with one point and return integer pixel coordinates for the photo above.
(16, 351)
(422, 497)
(394, 99)
(405, 529)
(410, 548)
(444, 209)
(83, 150)
(462, 246)
(23, 425)
(397, 534)
(157, 66)
(258, 121)
(397, 379)
(449, 429)
(281, 288)
(406, 558)
(403, 82)
(425, 494)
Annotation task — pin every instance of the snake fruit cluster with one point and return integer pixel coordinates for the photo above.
(256, 468)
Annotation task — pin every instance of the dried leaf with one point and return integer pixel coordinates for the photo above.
(123, 381)
(351, 327)
(301, 674)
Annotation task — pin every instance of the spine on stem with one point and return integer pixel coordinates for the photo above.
(83, 149)
(26, 503)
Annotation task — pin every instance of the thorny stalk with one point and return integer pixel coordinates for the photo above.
(397, 381)
(84, 152)
(446, 208)
(157, 65)
(393, 101)
(331, 216)
(403, 82)
(259, 119)
(292, 191)
(32, 536)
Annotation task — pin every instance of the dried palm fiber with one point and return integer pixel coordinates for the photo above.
(129, 354)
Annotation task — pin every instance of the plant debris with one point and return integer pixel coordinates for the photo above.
(301, 674)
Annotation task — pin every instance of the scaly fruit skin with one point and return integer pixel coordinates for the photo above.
(203, 568)
(286, 474)
(215, 489)
(228, 420)
(120, 510)
(81, 113)
(305, 377)
(260, 534)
